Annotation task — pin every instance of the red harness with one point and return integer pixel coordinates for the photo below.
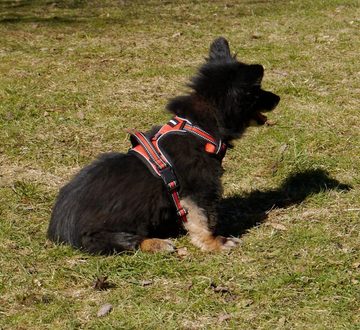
(150, 151)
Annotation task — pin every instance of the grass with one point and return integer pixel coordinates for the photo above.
(75, 74)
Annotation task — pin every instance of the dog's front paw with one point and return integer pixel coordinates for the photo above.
(157, 245)
(227, 243)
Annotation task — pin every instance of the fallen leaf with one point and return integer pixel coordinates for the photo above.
(30, 299)
(230, 297)
(219, 289)
(182, 252)
(101, 283)
(104, 310)
(256, 36)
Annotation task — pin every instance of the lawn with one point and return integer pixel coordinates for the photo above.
(74, 75)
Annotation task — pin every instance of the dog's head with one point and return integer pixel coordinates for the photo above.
(234, 90)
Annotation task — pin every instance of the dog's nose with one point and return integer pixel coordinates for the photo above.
(276, 100)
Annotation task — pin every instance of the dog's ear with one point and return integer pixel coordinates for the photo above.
(219, 51)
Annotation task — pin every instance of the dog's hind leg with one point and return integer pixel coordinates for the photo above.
(105, 242)
(157, 245)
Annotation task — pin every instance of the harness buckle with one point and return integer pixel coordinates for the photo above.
(182, 212)
(169, 178)
(172, 186)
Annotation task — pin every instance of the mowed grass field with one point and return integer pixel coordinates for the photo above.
(75, 74)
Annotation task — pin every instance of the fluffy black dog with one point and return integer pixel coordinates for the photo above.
(116, 204)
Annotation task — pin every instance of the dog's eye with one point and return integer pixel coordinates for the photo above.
(253, 91)
(256, 89)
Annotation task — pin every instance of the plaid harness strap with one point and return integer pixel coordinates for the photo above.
(150, 151)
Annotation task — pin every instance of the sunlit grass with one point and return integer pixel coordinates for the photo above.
(75, 74)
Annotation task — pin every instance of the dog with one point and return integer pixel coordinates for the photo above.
(116, 204)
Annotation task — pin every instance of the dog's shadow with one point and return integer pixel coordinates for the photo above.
(237, 214)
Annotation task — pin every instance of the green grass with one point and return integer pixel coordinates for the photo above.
(75, 74)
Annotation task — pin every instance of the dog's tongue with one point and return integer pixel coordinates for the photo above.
(260, 118)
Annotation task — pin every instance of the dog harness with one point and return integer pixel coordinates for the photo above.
(150, 151)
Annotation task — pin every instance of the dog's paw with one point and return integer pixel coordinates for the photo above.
(157, 245)
(228, 243)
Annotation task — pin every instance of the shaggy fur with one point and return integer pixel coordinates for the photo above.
(116, 204)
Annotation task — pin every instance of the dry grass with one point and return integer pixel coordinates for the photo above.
(75, 74)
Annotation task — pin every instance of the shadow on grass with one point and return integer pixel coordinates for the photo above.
(30, 4)
(240, 213)
(57, 20)
(51, 20)
(41, 11)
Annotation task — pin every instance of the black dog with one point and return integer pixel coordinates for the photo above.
(116, 204)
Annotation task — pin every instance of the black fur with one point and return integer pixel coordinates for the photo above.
(115, 203)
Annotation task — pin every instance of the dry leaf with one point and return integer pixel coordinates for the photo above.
(230, 297)
(182, 252)
(30, 299)
(104, 310)
(101, 283)
(256, 36)
(219, 289)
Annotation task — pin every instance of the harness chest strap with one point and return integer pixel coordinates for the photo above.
(150, 151)
(183, 125)
(162, 168)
